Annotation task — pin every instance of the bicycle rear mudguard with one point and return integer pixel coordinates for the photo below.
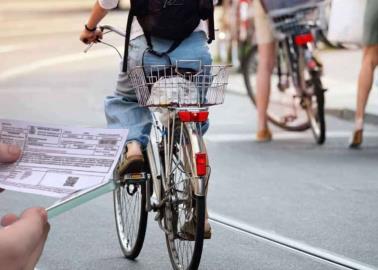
(198, 147)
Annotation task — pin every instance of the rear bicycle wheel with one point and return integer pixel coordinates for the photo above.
(131, 217)
(184, 211)
(315, 109)
(285, 109)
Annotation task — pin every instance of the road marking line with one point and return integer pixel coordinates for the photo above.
(287, 243)
(241, 137)
(23, 33)
(21, 70)
(9, 48)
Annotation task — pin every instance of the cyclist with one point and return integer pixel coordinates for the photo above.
(266, 51)
(22, 238)
(122, 109)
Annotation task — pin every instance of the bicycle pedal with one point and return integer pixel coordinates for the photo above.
(135, 178)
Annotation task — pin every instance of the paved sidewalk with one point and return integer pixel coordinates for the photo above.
(340, 78)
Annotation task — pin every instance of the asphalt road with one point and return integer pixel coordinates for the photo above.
(325, 197)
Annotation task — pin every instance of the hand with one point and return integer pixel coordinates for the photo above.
(88, 37)
(22, 239)
(9, 153)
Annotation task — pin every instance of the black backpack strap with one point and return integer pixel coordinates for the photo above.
(127, 40)
(162, 55)
(148, 40)
(211, 28)
(174, 46)
(151, 50)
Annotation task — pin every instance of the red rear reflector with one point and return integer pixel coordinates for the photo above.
(201, 160)
(202, 116)
(186, 116)
(304, 39)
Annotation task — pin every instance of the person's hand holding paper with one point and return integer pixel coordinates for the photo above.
(9, 153)
(22, 238)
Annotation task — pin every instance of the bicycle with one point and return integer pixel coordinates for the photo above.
(174, 181)
(297, 95)
(236, 31)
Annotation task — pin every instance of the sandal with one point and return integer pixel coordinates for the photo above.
(132, 164)
(356, 139)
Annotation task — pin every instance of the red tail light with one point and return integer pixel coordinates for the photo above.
(201, 164)
(186, 116)
(304, 39)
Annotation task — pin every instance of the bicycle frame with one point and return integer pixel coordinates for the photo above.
(157, 181)
(159, 168)
(299, 52)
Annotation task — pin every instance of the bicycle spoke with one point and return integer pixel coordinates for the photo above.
(181, 209)
(130, 218)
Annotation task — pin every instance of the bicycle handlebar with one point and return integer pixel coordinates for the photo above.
(112, 29)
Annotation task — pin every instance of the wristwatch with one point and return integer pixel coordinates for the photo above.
(90, 29)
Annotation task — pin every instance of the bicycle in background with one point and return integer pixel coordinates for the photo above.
(297, 94)
(236, 31)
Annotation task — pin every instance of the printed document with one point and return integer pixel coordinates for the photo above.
(58, 161)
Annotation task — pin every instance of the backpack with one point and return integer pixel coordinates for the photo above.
(168, 19)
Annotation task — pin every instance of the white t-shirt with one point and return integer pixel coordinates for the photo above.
(136, 29)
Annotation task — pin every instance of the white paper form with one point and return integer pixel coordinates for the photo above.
(57, 160)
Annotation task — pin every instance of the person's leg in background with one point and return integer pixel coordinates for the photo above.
(369, 63)
(266, 56)
(365, 83)
(264, 71)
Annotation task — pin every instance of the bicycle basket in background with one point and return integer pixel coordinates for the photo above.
(294, 17)
(167, 86)
(279, 7)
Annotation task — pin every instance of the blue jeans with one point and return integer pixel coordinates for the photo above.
(122, 109)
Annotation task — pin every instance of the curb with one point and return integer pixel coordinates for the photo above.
(348, 114)
(344, 114)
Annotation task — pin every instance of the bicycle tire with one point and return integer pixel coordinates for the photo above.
(248, 72)
(317, 116)
(130, 236)
(322, 36)
(174, 223)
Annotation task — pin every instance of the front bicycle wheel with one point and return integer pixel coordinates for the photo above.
(184, 211)
(285, 109)
(131, 217)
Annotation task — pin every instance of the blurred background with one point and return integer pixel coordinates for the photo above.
(324, 196)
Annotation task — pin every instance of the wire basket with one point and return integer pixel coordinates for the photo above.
(169, 86)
